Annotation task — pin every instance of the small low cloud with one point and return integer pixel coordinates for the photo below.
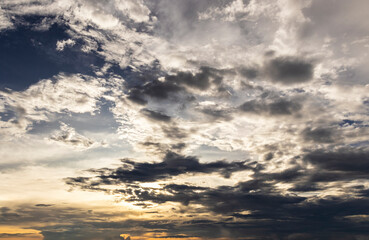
(155, 116)
(60, 45)
(273, 107)
(68, 136)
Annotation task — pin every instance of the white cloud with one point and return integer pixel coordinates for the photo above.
(60, 45)
(5, 22)
(63, 94)
(136, 10)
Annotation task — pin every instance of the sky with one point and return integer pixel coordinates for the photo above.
(184, 119)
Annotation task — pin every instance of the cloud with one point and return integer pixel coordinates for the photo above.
(64, 93)
(172, 165)
(60, 45)
(5, 22)
(155, 116)
(319, 135)
(155, 89)
(277, 107)
(68, 136)
(172, 80)
(346, 159)
(201, 80)
(289, 70)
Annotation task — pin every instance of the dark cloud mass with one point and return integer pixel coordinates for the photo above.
(289, 70)
(172, 165)
(269, 212)
(271, 107)
(201, 80)
(319, 135)
(343, 159)
(156, 116)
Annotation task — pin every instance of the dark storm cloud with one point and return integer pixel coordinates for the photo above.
(172, 165)
(289, 70)
(275, 107)
(156, 116)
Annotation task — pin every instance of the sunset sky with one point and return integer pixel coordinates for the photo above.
(184, 119)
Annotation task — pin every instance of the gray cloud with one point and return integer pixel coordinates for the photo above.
(346, 159)
(156, 116)
(201, 80)
(289, 70)
(172, 165)
(275, 107)
(319, 135)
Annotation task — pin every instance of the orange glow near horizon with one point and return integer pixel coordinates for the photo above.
(17, 233)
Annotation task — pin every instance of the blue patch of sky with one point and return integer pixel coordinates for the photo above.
(355, 124)
(28, 55)
(101, 121)
(7, 115)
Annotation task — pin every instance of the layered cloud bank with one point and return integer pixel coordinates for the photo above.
(184, 119)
